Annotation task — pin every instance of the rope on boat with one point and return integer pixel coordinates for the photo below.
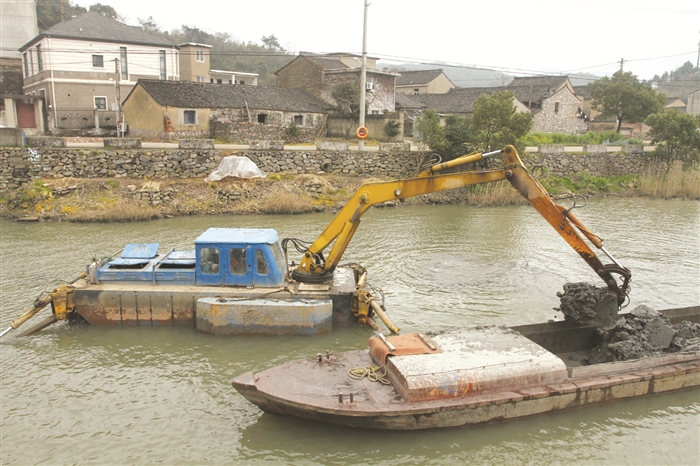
(371, 372)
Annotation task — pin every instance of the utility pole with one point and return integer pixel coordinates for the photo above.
(117, 91)
(622, 64)
(363, 77)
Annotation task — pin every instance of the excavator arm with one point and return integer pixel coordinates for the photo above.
(314, 267)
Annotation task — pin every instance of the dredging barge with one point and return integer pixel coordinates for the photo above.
(469, 377)
(238, 281)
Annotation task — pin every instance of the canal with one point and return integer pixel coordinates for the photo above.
(88, 395)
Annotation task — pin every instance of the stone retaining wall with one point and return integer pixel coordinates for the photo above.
(18, 166)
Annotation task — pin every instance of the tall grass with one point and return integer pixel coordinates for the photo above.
(677, 183)
(496, 194)
(120, 211)
(287, 203)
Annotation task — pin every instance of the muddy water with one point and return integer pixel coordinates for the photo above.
(162, 395)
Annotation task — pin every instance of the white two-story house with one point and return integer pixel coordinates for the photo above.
(93, 62)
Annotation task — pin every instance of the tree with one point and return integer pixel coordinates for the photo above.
(52, 12)
(149, 25)
(677, 136)
(427, 132)
(271, 42)
(624, 98)
(106, 10)
(347, 97)
(496, 123)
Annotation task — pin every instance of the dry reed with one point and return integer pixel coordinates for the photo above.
(677, 183)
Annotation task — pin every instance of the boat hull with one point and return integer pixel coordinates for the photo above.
(222, 310)
(321, 390)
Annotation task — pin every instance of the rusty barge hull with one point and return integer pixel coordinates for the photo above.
(290, 309)
(322, 391)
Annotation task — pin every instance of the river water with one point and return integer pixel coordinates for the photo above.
(88, 395)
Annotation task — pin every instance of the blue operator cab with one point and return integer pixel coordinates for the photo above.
(239, 257)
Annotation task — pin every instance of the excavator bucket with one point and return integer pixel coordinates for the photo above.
(606, 311)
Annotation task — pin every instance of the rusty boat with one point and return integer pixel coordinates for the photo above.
(467, 377)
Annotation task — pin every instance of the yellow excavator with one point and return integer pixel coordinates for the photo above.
(315, 267)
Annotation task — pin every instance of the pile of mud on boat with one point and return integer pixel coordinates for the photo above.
(478, 375)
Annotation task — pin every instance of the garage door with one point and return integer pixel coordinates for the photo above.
(25, 116)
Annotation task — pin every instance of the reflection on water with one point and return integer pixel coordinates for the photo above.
(92, 395)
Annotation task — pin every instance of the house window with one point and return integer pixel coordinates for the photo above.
(98, 61)
(230, 81)
(39, 63)
(241, 82)
(211, 80)
(201, 79)
(416, 91)
(219, 81)
(299, 120)
(190, 117)
(26, 65)
(124, 65)
(556, 107)
(163, 70)
(369, 85)
(199, 55)
(262, 118)
(101, 103)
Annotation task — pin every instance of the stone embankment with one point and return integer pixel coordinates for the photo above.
(21, 165)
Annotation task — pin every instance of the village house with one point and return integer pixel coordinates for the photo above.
(423, 82)
(551, 100)
(240, 113)
(88, 63)
(84, 67)
(320, 74)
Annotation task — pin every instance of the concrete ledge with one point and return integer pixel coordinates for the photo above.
(195, 143)
(12, 137)
(394, 146)
(594, 149)
(550, 149)
(332, 145)
(45, 141)
(122, 143)
(633, 149)
(276, 144)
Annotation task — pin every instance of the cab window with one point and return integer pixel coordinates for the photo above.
(262, 267)
(210, 260)
(238, 261)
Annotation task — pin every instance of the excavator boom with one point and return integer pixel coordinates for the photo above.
(314, 267)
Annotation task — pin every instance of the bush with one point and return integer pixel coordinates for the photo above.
(392, 128)
(292, 130)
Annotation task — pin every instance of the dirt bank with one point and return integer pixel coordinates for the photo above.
(114, 200)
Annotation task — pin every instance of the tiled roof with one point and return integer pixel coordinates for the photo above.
(408, 78)
(460, 100)
(536, 81)
(187, 94)
(406, 101)
(94, 26)
(582, 91)
(327, 63)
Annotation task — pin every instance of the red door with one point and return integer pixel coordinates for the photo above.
(25, 116)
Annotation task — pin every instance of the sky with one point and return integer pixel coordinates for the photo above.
(519, 37)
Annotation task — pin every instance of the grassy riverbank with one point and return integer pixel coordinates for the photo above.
(124, 200)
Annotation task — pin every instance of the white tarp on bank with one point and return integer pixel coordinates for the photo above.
(240, 167)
